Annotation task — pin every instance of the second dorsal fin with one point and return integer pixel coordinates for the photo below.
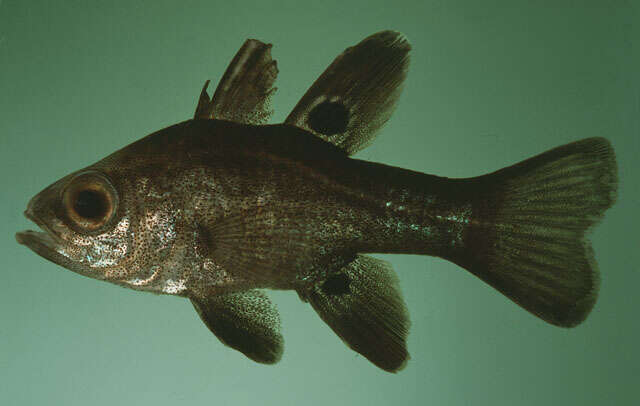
(357, 93)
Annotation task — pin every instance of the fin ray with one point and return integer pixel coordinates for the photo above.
(357, 93)
(246, 321)
(369, 314)
(245, 90)
(529, 241)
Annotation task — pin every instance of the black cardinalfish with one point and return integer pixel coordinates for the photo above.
(223, 206)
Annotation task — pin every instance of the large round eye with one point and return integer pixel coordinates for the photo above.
(89, 201)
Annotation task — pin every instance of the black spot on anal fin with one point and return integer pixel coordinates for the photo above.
(337, 284)
(329, 118)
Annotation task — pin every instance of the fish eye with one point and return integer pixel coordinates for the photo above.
(89, 201)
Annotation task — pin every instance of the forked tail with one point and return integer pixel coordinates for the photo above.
(527, 238)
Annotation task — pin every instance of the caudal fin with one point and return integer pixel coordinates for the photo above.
(528, 235)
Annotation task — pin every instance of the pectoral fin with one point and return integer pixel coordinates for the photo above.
(244, 92)
(357, 93)
(245, 321)
(364, 307)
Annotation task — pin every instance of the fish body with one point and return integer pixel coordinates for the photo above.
(247, 206)
(220, 207)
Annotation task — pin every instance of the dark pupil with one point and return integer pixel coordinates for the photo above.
(336, 285)
(90, 204)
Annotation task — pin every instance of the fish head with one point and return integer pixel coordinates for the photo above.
(138, 217)
(84, 226)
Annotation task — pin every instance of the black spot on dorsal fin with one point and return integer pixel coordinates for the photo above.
(329, 118)
(337, 284)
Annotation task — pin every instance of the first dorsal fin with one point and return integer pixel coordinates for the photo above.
(244, 92)
(357, 93)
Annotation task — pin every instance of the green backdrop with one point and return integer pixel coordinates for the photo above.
(491, 83)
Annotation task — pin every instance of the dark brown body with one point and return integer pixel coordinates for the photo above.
(287, 208)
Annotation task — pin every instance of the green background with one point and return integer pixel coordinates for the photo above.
(491, 83)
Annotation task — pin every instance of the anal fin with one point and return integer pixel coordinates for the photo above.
(363, 305)
(245, 321)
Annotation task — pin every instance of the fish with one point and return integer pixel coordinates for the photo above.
(223, 207)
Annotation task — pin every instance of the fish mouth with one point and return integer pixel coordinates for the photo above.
(31, 238)
(44, 243)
